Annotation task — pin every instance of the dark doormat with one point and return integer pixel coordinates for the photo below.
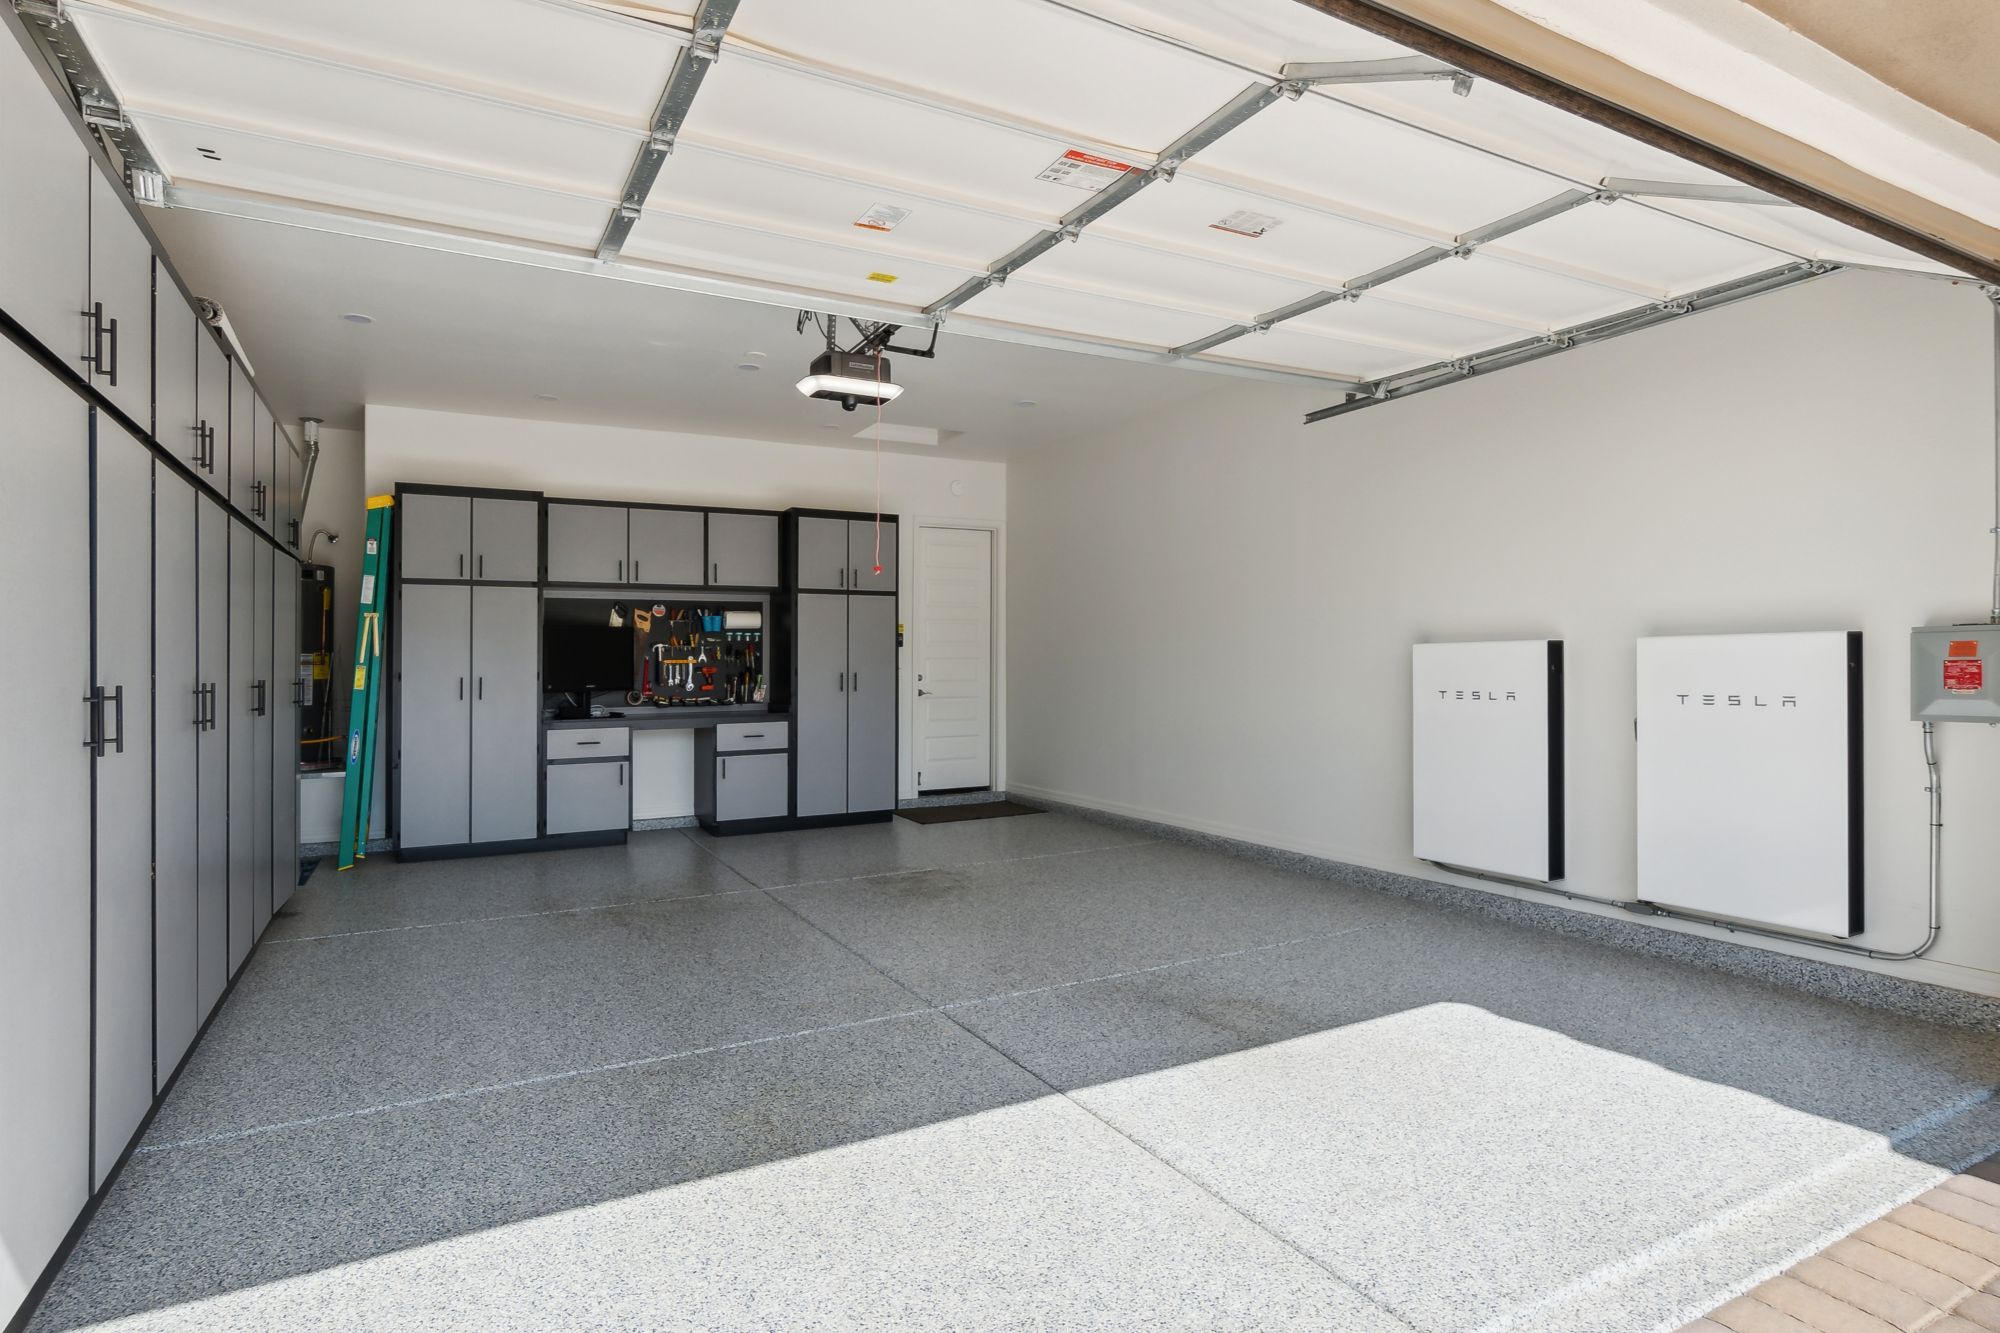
(951, 814)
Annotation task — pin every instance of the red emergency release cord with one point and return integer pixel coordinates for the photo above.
(878, 464)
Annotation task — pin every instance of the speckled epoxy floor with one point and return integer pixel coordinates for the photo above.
(1016, 1073)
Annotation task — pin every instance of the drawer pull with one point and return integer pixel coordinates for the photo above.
(589, 742)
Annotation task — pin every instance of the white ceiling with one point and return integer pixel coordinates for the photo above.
(460, 334)
(506, 128)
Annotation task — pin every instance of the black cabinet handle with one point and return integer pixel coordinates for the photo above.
(263, 692)
(621, 571)
(461, 687)
(753, 735)
(479, 688)
(114, 353)
(93, 732)
(621, 775)
(118, 711)
(461, 564)
(843, 576)
(482, 566)
(856, 687)
(840, 682)
(725, 770)
(715, 573)
(94, 358)
(590, 742)
(200, 708)
(211, 705)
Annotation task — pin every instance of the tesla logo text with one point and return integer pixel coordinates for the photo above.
(1481, 696)
(1735, 701)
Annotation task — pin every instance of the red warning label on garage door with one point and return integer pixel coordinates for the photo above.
(1084, 171)
(1964, 675)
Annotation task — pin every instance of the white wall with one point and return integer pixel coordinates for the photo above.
(665, 467)
(1214, 607)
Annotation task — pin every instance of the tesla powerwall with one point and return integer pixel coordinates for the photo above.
(1749, 779)
(1486, 756)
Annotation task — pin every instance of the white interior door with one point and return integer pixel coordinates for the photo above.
(954, 711)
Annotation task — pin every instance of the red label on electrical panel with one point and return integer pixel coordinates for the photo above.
(1964, 675)
(1963, 648)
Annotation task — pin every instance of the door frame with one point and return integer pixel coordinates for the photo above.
(912, 579)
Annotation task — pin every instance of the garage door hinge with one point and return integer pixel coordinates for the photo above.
(48, 11)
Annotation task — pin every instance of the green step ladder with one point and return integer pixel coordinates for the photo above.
(358, 795)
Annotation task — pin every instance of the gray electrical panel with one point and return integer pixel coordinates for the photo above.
(1952, 673)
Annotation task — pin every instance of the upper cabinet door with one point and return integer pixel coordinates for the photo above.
(118, 331)
(176, 420)
(211, 405)
(506, 540)
(743, 550)
(822, 554)
(861, 575)
(586, 543)
(434, 536)
(265, 488)
(44, 210)
(243, 441)
(666, 546)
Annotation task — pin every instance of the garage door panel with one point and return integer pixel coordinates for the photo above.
(1189, 214)
(725, 251)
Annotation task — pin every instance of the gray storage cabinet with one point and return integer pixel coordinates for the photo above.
(871, 704)
(45, 771)
(742, 550)
(586, 543)
(822, 554)
(861, 576)
(586, 786)
(123, 782)
(240, 703)
(434, 535)
(819, 706)
(211, 405)
(176, 418)
(242, 441)
(468, 705)
(262, 746)
(118, 330)
(506, 540)
(264, 459)
(212, 529)
(179, 709)
(44, 222)
(506, 712)
(664, 546)
(289, 694)
(434, 716)
(742, 773)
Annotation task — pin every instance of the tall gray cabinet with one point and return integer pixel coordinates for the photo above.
(148, 627)
(468, 714)
(842, 647)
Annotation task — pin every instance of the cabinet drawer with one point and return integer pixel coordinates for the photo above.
(584, 798)
(590, 743)
(753, 736)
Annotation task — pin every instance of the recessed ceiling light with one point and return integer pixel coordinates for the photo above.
(358, 319)
(1024, 402)
(548, 397)
(748, 365)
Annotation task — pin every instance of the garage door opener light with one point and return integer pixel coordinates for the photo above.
(850, 378)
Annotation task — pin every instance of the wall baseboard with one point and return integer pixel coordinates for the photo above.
(1831, 980)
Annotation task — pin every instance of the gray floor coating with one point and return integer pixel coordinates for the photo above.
(1020, 1073)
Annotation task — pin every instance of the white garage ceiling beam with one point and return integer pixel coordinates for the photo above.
(1463, 246)
(1597, 330)
(691, 66)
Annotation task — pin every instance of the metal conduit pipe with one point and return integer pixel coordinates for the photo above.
(1643, 908)
(1993, 294)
